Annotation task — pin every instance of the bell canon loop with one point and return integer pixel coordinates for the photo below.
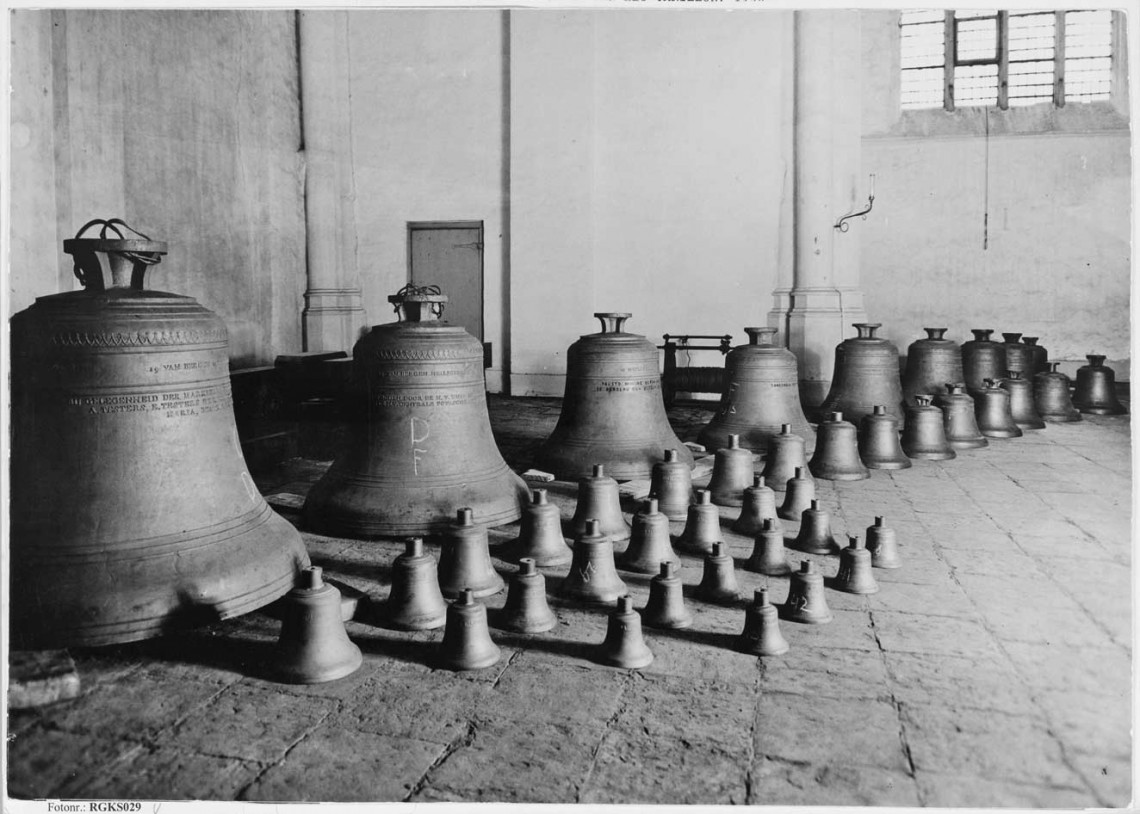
(467, 643)
(1095, 393)
(540, 534)
(837, 451)
(526, 609)
(624, 645)
(613, 412)
(761, 635)
(924, 436)
(121, 402)
(313, 647)
(982, 359)
(786, 452)
(800, 496)
(759, 505)
(959, 418)
(879, 446)
(866, 374)
(806, 602)
(649, 544)
(415, 601)
(1052, 397)
(732, 473)
(593, 576)
(465, 559)
(666, 606)
(930, 363)
(991, 408)
(671, 482)
(599, 499)
(1021, 405)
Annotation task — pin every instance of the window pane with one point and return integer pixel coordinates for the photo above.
(922, 46)
(912, 16)
(1030, 82)
(922, 88)
(975, 85)
(1031, 36)
(976, 39)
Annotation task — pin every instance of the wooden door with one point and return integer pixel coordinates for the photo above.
(450, 255)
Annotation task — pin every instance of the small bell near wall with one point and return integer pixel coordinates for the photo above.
(702, 529)
(806, 602)
(415, 601)
(732, 473)
(854, 576)
(879, 446)
(991, 408)
(768, 554)
(959, 418)
(313, 647)
(1021, 405)
(624, 645)
(930, 363)
(671, 482)
(1052, 397)
(925, 434)
(982, 359)
(465, 559)
(649, 545)
(540, 534)
(761, 635)
(666, 606)
(593, 576)
(467, 643)
(799, 496)
(759, 505)
(718, 583)
(815, 535)
(599, 499)
(882, 542)
(526, 609)
(1096, 388)
(836, 454)
(786, 452)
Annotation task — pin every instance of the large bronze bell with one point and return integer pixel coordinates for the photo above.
(612, 411)
(991, 408)
(1051, 395)
(930, 363)
(786, 453)
(1021, 405)
(924, 436)
(879, 446)
(866, 374)
(1040, 356)
(959, 418)
(1018, 355)
(836, 454)
(761, 393)
(982, 359)
(132, 511)
(422, 446)
(1096, 388)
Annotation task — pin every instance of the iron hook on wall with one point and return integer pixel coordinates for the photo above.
(842, 224)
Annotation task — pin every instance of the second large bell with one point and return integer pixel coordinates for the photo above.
(420, 446)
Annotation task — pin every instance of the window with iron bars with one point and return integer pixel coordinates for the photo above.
(1002, 59)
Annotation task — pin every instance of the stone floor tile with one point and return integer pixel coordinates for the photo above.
(1101, 672)
(682, 709)
(933, 679)
(1072, 543)
(701, 655)
(940, 599)
(343, 765)
(784, 783)
(1110, 778)
(49, 763)
(974, 561)
(830, 672)
(946, 790)
(167, 774)
(557, 694)
(1089, 724)
(921, 633)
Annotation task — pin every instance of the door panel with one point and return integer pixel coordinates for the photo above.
(451, 256)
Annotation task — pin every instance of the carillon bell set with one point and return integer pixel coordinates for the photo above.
(121, 401)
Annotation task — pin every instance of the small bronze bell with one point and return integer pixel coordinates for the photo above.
(649, 544)
(624, 645)
(759, 504)
(718, 583)
(761, 635)
(879, 446)
(836, 454)
(959, 418)
(815, 535)
(732, 473)
(666, 606)
(854, 576)
(672, 484)
(598, 499)
(930, 363)
(806, 602)
(800, 495)
(1040, 357)
(415, 601)
(1021, 405)
(540, 534)
(785, 453)
(466, 643)
(1096, 388)
(526, 610)
(702, 528)
(768, 555)
(991, 407)
(313, 647)
(465, 559)
(1051, 395)
(883, 545)
(982, 359)
(593, 577)
(924, 436)
(1018, 356)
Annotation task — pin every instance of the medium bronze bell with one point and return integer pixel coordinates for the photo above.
(799, 496)
(526, 610)
(761, 393)
(991, 407)
(982, 359)
(1051, 395)
(313, 647)
(702, 528)
(540, 534)
(1040, 357)
(132, 511)
(465, 559)
(930, 363)
(612, 411)
(786, 451)
(666, 606)
(815, 535)
(959, 418)
(883, 545)
(624, 646)
(718, 582)
(768, 555)
(415, 601)
(593, 577)
(879, 446)
(423, 445)
(854, 575)
(1018, 356)
(836, 454)
(806, 602)
(466, 643)
(599, 499)
(672, 484)
(761, 635)
(1021, 405)
(1095, 393)
(649, 544)
(866, 374)
(925, 434)
(731, 475)
(759, 505)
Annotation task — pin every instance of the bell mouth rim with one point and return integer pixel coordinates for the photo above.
(71, 245)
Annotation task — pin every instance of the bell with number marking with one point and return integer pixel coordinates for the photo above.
(768, 555)
(718, 581)
(815, 535)
(702, 528)
(930, 363)
(313, 647)
(612, 411)
(799, 496)
(925, 434)
(649, 544)
(806, 602)
(786, 452)
(732, 473)
(593, 576)
(599, 499)
(854, 576)
(540, 534)
(866, 374)
(879, 446)
(1096, 388)
(837, 451)
(671, 483)
(415, 601)
(761, 393)
(959, 418)
(1051, 395)
(991, 407)
(882, 542)
(624, 646)
(1021, 405)
(132, 511)
(666, 606)
(526, 609)
(422, 445)
(761, 635)
(465, 559)
(982, 359)
(1039, 359)
(466, 643)
(759, 505)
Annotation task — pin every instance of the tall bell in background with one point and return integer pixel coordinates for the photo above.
(132, 511)
(612, 411)
(930, 363)
(423, 446)
(982, 359)
(866, 374)
(1096, 388)
(761, 393)
(1051, 395)
(1018, 355)
(1040, 358)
